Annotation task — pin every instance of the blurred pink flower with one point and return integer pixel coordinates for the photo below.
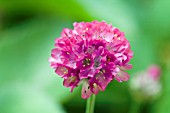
(154, 72)
(93, 53)
(147, 83)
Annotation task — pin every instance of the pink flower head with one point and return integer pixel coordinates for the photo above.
(93, 53)
(147, 83)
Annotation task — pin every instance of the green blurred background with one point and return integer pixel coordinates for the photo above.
(27, 32)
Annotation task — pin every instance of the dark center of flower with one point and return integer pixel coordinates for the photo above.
(86, 62)
(96, 64)
(72, 79)
(108, 58)
(97, 61)
(102, 71)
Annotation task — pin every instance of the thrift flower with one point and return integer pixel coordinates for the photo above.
(93, 54)
(146, 84)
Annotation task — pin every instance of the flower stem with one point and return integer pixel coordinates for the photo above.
(90, 104)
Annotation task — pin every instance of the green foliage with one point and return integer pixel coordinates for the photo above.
(24, 63)
(23, 98)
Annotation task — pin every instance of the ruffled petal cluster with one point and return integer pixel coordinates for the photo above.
(93, 53)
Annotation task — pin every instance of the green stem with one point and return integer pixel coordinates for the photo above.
(90, 104)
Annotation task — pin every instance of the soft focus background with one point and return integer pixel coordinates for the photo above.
(27, 32)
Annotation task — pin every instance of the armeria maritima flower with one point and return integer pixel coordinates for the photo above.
(93, 53)
(146, 84)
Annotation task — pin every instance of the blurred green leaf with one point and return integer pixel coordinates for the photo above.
(162, 105)
(26, 99)
(24, 54)
(67, 8)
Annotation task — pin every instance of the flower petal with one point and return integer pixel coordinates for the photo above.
(61, 71)
(126, 67)
(102, 82)
(121, 76)
(86, 92)
(70, 81)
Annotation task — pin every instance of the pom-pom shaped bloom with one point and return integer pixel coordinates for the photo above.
(93, 53)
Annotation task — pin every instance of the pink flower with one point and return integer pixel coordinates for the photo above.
(93, 53)
(146, 84)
